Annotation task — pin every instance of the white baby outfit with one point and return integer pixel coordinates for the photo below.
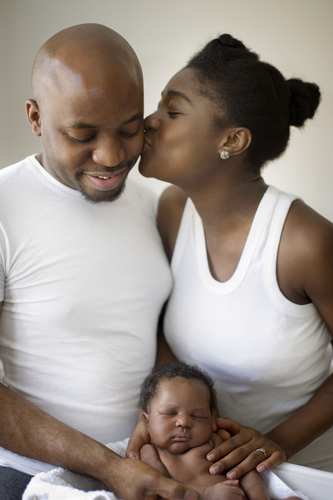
(83, 285)
(266, 354)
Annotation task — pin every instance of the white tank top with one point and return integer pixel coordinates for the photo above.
(266, 354)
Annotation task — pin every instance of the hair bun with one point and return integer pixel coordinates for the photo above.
(230, 41)
(304, 101)
(233, 48)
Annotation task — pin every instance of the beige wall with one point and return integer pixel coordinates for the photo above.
(294, 35)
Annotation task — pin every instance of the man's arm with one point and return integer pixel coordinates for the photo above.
(27, 430)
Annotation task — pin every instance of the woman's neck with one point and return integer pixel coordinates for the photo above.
(227, 212)
(228, 205)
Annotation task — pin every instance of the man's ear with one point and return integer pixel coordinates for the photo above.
(235, 140)
(33, 114)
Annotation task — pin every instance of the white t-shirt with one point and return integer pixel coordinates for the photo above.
(83, 285)
(267, 355)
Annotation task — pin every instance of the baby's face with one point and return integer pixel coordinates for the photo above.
(179, 417)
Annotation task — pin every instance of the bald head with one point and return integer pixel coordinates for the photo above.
(86, 53)
(88, 109)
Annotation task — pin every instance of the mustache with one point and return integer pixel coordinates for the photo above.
(104, 170)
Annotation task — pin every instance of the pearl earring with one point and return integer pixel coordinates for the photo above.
(224, 155)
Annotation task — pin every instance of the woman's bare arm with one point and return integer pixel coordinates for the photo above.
(305, 274)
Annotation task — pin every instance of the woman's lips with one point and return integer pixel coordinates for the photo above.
(146, 145)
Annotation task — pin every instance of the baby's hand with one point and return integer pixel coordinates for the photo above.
(229, 490)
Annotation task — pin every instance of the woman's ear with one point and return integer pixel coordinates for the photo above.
(33, 114)
(235, 140)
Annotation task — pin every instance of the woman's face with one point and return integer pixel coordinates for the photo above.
(181, 141)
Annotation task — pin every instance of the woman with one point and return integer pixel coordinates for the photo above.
(252, 266)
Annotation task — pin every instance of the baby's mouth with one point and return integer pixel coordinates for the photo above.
(183, 436)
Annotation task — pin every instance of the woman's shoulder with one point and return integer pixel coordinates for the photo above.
(170, 211)
(305, 253)
(308, 231)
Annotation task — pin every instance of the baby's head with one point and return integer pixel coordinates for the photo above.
(179, 404)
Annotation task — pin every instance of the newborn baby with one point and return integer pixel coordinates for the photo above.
(179, 405)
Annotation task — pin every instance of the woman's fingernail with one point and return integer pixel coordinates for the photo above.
(261, 468)
(232, 475)
(215, 469)
(211, 456)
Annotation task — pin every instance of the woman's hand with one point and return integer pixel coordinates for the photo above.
(242, 450)
(139, 438)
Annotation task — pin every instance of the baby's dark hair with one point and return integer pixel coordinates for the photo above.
(253, 94)
(150, 385)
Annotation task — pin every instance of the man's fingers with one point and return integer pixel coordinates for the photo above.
(172, 490)
(146, 483)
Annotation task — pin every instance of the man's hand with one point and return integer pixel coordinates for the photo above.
(135, 480)
(139, 438)
(242, 450)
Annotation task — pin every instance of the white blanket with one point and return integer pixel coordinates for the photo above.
(62, 484)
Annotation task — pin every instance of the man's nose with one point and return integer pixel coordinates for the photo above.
(108, 152)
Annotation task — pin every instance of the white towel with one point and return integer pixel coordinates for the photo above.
(62, 484)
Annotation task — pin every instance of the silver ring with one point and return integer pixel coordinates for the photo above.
(262, 451)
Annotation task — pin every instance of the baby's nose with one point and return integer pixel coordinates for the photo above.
(184, 421)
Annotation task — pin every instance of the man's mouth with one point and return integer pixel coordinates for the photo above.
(108, 181)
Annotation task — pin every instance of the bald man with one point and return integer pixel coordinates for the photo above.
(83, 276)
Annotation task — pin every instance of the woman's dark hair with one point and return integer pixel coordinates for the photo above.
(253, 94)
(150, 385)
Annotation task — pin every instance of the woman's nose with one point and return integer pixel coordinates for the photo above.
(151, 122)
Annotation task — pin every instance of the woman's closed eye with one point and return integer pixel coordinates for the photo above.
(173, 113)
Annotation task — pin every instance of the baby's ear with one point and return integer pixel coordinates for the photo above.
(214, 426)
(146, 417)
(215, 415)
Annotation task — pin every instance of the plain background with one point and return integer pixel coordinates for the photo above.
(294, 35)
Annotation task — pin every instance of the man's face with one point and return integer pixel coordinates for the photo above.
(92, 133)
(179, 417)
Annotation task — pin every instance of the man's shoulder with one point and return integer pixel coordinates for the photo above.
(15, 170)
(141, 196)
